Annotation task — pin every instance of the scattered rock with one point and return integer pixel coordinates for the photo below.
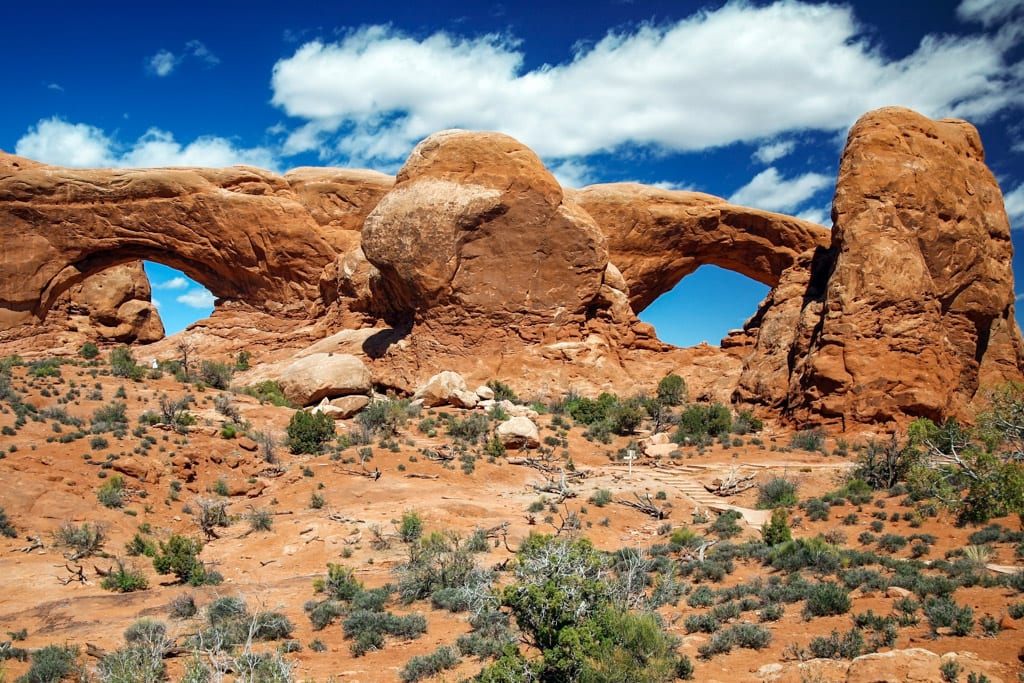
(485, 393)
(518, 432)
(350, 405)
(439, 389)
(321, 375)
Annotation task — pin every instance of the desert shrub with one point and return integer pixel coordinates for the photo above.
(883, 465)
(835, 646)
(892, 542)
(471, 429)
(89, 351)
(339, 584)
(122, 364)
(810, 440)
(776, 492)
(411, 527)
(601, 497)
(111, 417)
(269, 391)
(384, 418)
(111, 493)
(777, 530)
(750, 636)
(322, 614)
(210, 514)
(720, 642)
(182, 606)
(85, 540)
(424, 666)
(179, 555)
(699, 420)
(216, 374)
(702, 596)
(945, 613)
(746, 423)
(587, 411)
(51, 664)
(308, 432)
(726, 526)
(817, 509)
(502, 391)
(771, 612)
(813, 553)
(827, 599)
(260, 519)
(701, 623)
(672, 390)
(125, 578)
(6, 528)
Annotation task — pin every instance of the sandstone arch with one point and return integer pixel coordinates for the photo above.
(657, 237)
(244, 233)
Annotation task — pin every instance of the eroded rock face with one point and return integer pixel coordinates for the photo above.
(114, 305)
(477, 227)
(918, 312)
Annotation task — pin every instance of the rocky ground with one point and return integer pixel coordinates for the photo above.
(324, 509)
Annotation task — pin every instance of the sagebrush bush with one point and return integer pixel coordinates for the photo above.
(776, 492)
(308, 432)
(827, 599)
(85, 540)
(125, 578)
(424, 666)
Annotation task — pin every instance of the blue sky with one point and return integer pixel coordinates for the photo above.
(746, 100)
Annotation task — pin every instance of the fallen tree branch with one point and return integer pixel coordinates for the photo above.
(645, 505)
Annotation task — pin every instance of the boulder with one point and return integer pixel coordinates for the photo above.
(312, 378)
(439, 389)
(518, 432)
(463, 399)
(485, 393)
(347, 406)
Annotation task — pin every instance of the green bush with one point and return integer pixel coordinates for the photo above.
(827, 599)
(700, 421)
(777, 530)
(85, 540)
(111, 493)
(810, 440)
(269, 391)
(726, 526)
(411, 528)
(601, 497)
(125, 579)
(672, 390)
(6, 528)
(51, 664)
(88, 351)
(945, 613)
(308, 432)
(216, 374)
(180, 556)
(776, 492)
(122, 364)
(424, 666)
(110, 418)
(835, 646)
(502, 391)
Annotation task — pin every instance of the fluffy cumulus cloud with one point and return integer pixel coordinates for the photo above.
(60, 142)
(196, 298)
(769, 190)
(773, 151)
(740, 73)
(174, 283)
(162, 63)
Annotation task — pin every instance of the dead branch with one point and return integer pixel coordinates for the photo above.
(500, 532)
(560, 488)
(77, 574)
(570, 521)
(370, 474)
(417, 475)
(731, 485)
(338, 517)
(34, 544)
(646, 505)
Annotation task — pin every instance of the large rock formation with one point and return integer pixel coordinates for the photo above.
(114, 305)
(474, 259)
(917, 315)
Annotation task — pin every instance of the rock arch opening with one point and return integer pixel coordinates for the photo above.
(180, 300)
(704, 306)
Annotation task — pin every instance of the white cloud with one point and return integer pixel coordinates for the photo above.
(196, 298)
(774, 151)
(1014, 201)
(198, 50)
(821, 215)
(80, 145)
(162, 63)
(739, 73)
(174, 283)
(156, 302)
(988, 12)
(56, 87)
(572, 173)
(68, 144)
(675, 185)
(769, 190)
